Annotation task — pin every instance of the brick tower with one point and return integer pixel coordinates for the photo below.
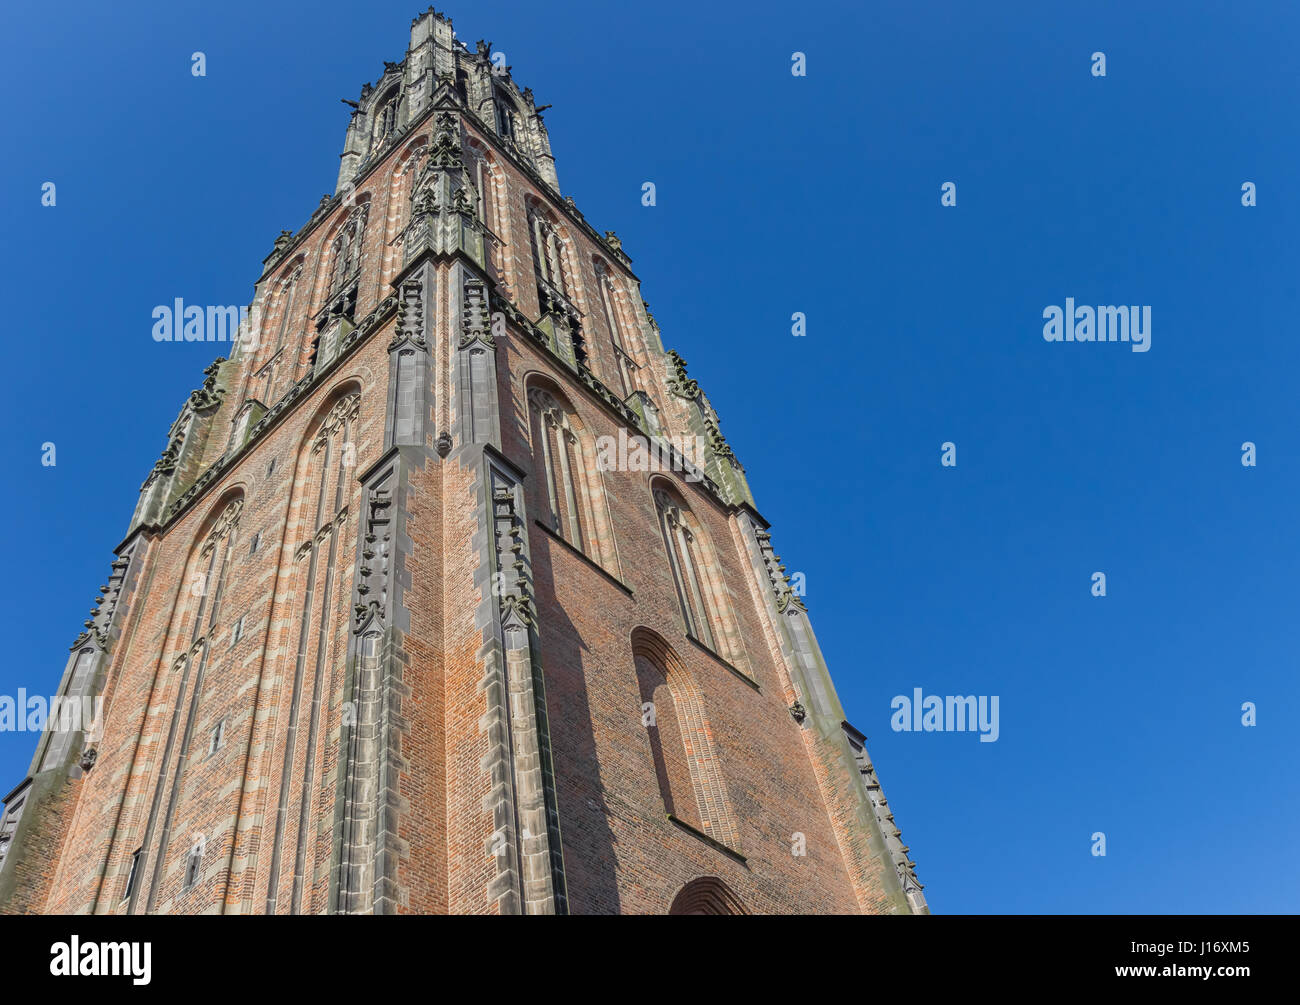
(447, 593)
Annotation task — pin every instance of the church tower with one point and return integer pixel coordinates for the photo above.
(447, 593)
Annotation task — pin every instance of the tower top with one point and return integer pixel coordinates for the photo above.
(478, 79)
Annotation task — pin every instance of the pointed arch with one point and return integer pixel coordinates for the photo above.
(706, 895)
(623, 333)
(691, 780)
(553, 264)
(319, 525)
(570, 484)
(343, 262)
(509, 120)
(193, 623)
(701, 588)
(401, 183)
(282, 325)
(487, 178)
(384, 117)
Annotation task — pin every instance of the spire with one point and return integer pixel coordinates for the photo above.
(481, 82)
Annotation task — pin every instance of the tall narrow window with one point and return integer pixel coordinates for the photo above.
(193, 863)
(199, 613)
(608, 300)
(132, 874)
(684, 559)
(345, 258)
(685, 759)
(672, 766)
(288, 296)
(329, 462)
(561, 454)
(386, 119)
(548, 258)
(218, 737)
(507, 117)
(482, 179)
(575, 506)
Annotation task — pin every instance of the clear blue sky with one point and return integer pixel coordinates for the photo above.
(775, 194)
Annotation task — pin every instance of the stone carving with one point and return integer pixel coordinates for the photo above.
(410, 316)
(475, 323)
(376, 556)
(513, 587)
(346, 409)
(209, 395)
(445, 151)
(678, 382)
(166, 462)
(101, 615)
(787, 601)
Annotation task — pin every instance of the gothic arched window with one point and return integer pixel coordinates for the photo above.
(686, 765)
(328, 466)
(507, 117)
(483, 186)
(345, 253)
(548, 255)
(195, 618)
(288, 297)
(609, 300)
(684, 558)
(385, 118)
(576, 508)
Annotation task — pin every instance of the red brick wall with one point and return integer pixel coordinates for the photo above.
(621, 852)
